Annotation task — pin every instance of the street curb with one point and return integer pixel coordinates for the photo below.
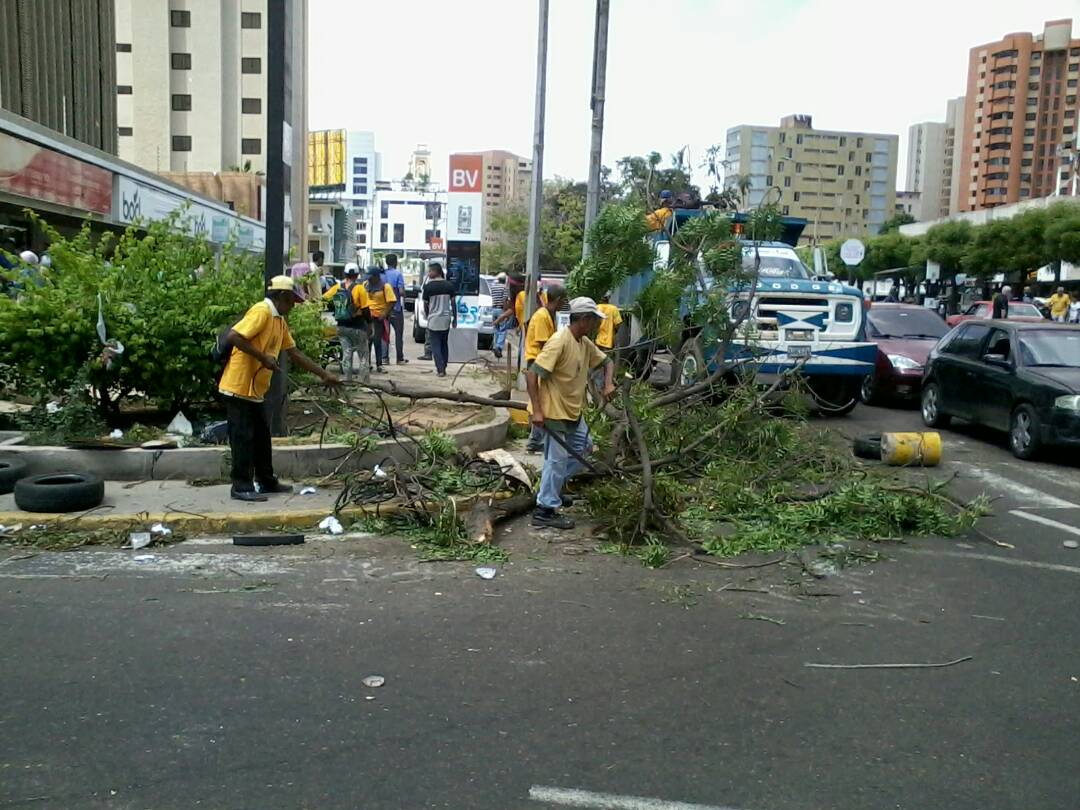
(188, 523)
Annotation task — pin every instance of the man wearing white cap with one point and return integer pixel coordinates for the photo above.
(257, 340)
(557, 380)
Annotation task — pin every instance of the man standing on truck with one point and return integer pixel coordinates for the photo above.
(541, 328)
(256, 341)
(557, 380)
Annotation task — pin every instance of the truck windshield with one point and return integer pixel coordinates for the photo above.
(773, 264)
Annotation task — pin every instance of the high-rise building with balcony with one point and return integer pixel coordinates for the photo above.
(1021, 110)
(843, 183)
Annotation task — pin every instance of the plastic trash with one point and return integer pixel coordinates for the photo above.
(1071, 544)
(379, 472)
(374, 681)
(179, 425)
(215, 433)
(139, 540)
(486, 573)
(331, 524)
(116, 433)
(144, 557)
(52, 407)
(308, 491)
(10, 529)
(160, 528)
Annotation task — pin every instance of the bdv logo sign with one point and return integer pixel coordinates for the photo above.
(130, 208)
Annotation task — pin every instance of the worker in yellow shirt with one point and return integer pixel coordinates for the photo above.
(605, 336)
(541, 328)
(256, 341)
(1059, 305)
(381, 300)
(658, 219)
(353, 316)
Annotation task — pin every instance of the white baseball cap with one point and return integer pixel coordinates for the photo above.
(585, 306)
(29, 257)
(352, 269)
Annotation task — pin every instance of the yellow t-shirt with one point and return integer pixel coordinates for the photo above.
(657, 219)
(359, 295)
(244, 376)
(1059, 304)
(541, 328)
(519, 306)
(563, 366)
(381, 302)
(605, 336)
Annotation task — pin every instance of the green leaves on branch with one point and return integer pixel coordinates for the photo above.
(618, 250)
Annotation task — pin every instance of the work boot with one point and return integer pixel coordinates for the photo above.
(249, 495)
(425, 357)
(402, 361)
(497, 353)
(274, 487)
(544, 518)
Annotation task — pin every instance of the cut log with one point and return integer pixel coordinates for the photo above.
(481, 520)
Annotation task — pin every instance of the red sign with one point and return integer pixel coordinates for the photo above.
(33, 171)
(436, 243)
(466, 173)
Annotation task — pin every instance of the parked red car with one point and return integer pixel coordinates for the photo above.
(905, 334)
(1018, 311)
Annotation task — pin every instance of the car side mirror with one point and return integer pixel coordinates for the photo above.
(997, 360)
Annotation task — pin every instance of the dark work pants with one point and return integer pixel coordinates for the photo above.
(397, 323)
(440, 349)
(249, 441)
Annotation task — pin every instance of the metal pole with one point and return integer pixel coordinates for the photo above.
(276, 116)
(599, 80)
(532, 256)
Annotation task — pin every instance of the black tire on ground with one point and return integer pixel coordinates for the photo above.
(59, 492)
(868, 446)
(268, 539)
(834, 396)
(931, 407)
(868, 390)
(11, 470)
(419, 333)
(1025, 432)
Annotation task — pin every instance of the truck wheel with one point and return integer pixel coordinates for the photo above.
(834, 396)
(688, 365)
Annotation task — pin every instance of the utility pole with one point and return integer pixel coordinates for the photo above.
(599, 79)
(532, 255)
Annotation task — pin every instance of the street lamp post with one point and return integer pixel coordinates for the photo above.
(599, 80)
(532, 255)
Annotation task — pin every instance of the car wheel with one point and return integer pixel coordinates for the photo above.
(931, 407)
(11, 471)
(59, 492)
(1025, 432)
(867, 392)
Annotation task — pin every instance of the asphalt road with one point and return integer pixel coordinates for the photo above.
(217, 677)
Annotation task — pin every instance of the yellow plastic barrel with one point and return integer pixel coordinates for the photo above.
(911, 449)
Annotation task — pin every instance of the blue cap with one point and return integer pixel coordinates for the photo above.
(665, 195)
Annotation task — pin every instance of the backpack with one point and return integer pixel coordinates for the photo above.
(344, 306)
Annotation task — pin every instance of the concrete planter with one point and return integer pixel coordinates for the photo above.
(185, 464)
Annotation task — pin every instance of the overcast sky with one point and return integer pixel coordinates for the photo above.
(460, 75)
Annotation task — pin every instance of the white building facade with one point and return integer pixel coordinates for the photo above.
(925, 159)
(411, 224)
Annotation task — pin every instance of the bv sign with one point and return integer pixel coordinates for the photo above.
(466, 173)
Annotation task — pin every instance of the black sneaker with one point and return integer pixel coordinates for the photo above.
(544, 518)
(425, 357)
(402, 361)
(497, 353)
(274, 488)
(381, 370)
(248, 495)
(440, 373)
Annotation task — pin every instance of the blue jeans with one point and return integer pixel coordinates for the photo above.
(559, 465)
(500, 333)
(440, 350)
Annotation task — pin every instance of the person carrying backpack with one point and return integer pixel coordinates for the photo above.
(352, 312)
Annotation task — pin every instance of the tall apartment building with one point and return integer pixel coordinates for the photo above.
(507, 182)
(1021, 109)
(844, 183)
(950, 170)
(57, 67)
(344, 167)
(925, 159)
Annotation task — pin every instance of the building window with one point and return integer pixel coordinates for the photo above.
(181, 143)
(1030, 116)
(123, 47)
(839, 171)
(123, 89)
(252, 106)
(1028, 132)
(181, 61)
(180, 19)
(1035, 70)
(798, 168)
(361, 239)
(399, 232)
(1071, 83)
(384, 231)
(787, 182)
(251, 146)
(843, 141)
(858, 171)
(796, 196)
(384, 212)
(850, 184)
(768, 180)
(798, 139)
(251, 64)
(250, 19)
(786, 210)
(124, 131)
(181, 102)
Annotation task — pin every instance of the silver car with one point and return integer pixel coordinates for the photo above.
(472, 311)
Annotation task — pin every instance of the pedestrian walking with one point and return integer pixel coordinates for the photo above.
(1059, 305)
(541, 328)
(1027, 297)
(1000, 304)
(381, 299)
(498, 304)
(1074, 307)
(257, 340)
(440, 306)
(353, 315)
(556, 380)
(396, 280)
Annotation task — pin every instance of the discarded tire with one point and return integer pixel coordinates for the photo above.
(11, 471)
(867, 446)
(268, 539)
(59, 492)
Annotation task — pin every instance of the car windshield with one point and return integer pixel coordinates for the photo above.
(1022, 310)
(1050, 347)
(773, 265)
(907, 323)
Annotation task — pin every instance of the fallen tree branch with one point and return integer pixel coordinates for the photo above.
(889, 666)
(392, 388)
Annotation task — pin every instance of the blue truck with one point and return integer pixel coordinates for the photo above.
(789, 319)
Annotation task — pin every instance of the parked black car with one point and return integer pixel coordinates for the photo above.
(1020, 377)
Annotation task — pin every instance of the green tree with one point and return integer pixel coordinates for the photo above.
(642, 178)
(992, 249)
(947, 244)
(1063, 232)
(903, 218)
